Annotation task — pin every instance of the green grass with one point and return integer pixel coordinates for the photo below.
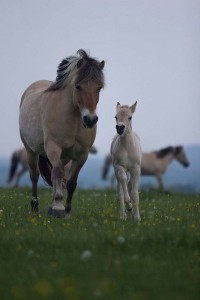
(95, 255)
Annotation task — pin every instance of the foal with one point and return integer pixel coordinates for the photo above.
(126, 158)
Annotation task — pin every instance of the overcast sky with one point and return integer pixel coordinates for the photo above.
(152, 54)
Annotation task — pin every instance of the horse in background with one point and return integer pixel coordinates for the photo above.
(126, 158)
(154, 163)
(57, 123)
(19, 158)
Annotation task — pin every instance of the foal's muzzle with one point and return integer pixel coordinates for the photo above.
(120, 129)
(89, 121)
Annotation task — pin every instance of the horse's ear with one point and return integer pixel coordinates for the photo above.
(102, 64)
(80, 63)
(133, 107)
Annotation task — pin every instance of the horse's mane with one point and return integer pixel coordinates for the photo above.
(164, 151)
(76, 69)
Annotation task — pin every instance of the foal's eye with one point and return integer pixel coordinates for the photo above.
(130, 118)
(78, 87)
(115, 117)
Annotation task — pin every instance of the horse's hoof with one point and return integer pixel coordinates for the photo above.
(58, 213)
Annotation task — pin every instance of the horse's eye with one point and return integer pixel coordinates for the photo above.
(130, 118)
(78, 87)
(115, 117)
(99, 89)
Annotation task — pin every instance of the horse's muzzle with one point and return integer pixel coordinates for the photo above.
(186, 164)
(120, 129)
(89, 121)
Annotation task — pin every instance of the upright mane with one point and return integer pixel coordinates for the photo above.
(163, 152)
(74, 69)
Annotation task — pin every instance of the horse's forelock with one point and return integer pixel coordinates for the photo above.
(69, 72)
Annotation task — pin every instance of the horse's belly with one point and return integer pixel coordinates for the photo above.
(30, 127)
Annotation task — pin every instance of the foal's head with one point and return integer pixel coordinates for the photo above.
(123, 118)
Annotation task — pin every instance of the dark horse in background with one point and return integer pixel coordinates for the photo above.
(57, 124)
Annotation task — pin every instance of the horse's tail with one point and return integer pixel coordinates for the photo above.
(13, 167)
(106, 167)
(45, 168)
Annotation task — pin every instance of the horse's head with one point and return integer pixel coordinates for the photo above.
(123, 117)
(181, 156)
(87, 85)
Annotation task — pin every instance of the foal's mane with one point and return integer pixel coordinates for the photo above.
(164, 151)
(77, 68)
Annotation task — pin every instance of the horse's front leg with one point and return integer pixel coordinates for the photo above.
(134, 191)
(57, 208)
(72, 182)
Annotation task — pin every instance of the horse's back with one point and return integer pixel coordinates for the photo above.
(36, 87)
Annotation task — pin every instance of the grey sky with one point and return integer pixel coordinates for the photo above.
(151, 49)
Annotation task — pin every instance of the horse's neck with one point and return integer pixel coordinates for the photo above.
(168, 158)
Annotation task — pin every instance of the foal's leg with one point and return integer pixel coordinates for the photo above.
(122, 210)
(57, 175)
(122, 179)
(72, 182)
(34, 175)
(134, 191)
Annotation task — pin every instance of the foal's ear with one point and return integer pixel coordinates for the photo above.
(102, 64)
(133, 107)
(118, 106)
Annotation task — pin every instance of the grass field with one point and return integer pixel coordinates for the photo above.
(94, 255)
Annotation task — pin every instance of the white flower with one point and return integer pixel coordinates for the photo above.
(121, 239)
(86, 254)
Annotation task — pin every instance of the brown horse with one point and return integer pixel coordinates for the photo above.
(58, 123)
(19, 157)
(154, 163)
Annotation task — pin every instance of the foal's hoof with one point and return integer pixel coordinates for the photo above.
(130, 206)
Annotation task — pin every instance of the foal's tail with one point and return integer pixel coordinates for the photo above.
(45, 168)
(13, 167)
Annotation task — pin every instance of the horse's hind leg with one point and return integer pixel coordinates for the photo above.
(34, 175)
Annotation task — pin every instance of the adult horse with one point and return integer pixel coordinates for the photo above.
(58, 123)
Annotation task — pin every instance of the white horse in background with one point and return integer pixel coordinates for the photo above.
(126, 158)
